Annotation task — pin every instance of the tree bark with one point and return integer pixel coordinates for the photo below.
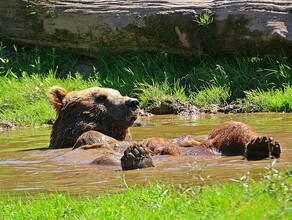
(91, 27)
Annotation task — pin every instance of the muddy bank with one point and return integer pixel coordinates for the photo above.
(6, 125)
(181, 108)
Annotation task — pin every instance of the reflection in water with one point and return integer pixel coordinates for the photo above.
(27, 165)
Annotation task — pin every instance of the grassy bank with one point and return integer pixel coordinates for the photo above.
(262, 84)
(268, 198)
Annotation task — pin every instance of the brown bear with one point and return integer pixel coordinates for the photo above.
(99, 118)
(98, 109)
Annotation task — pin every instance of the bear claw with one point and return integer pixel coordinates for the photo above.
(261, 148)
(136, 157)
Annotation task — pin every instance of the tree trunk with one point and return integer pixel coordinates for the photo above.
(189, 27)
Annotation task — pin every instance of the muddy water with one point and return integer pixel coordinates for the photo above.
(27, 166)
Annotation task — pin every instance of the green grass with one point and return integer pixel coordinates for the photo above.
(26, 74)
(211, 95)
(267, 198)
(273, 100)
(154, 93)
(23, 99)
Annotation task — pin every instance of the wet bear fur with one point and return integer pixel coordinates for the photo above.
(237, 138)
(230, 138)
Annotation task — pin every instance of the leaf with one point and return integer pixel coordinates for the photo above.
(2, 60)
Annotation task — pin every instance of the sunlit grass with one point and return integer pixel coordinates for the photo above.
(212, 95)
(155, 93)
(244, 198)
(277, 100)
(23, 100)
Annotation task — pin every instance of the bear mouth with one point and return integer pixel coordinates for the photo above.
(131, 119)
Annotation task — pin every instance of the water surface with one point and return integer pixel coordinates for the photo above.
(27, 166)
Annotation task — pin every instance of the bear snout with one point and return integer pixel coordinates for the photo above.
(132, 104)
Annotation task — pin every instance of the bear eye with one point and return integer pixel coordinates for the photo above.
(100, 99)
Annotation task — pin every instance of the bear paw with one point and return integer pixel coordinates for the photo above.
(261, 148)
(136, 157)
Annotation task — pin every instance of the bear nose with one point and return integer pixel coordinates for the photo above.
(132, 104)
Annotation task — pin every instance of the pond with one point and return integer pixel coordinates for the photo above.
(27, 166)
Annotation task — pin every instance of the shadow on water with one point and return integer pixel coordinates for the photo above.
(28, 166)
(33, 149)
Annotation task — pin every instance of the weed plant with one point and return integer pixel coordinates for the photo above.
(26, 75)
(205, 19)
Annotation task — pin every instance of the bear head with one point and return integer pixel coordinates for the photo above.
(100, 109)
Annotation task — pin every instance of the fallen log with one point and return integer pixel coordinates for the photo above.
(188, 27)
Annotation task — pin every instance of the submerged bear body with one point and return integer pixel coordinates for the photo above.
(231, 138)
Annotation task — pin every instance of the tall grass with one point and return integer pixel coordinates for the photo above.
(26, 74)
(153, 94)
(277, 100)
(212, 95)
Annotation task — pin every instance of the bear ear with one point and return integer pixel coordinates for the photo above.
(56, 95)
